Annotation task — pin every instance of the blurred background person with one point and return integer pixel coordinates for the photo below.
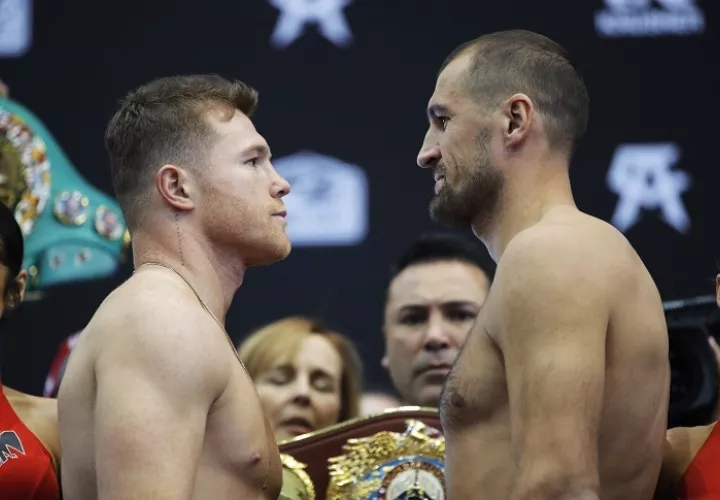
(435, 293)
(376, 401)
(29, 437)
(691, 461)
(307, 377)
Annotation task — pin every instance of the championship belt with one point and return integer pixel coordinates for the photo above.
(395, 455)
(297, 485)
(73, 231)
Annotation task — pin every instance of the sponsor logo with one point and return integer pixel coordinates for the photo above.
(10, 444)
(642, 177)
(15, 27)
(295, 15)
(647, 18)
(328, 202)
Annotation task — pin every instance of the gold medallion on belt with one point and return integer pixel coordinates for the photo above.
(391, 466)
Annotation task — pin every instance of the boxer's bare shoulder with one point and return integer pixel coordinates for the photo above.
(155, 379)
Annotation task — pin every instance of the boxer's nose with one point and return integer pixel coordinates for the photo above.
(429, 154)
(429, 158)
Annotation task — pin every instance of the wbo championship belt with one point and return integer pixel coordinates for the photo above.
(395, 455)
(391, 466)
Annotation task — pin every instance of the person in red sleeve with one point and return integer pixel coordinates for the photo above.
(29, 436)
(691, 460)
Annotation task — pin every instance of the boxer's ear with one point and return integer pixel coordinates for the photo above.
(175, 187)
(717, 289)
(518, 112)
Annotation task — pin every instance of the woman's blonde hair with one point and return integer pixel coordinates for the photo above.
(280, 341)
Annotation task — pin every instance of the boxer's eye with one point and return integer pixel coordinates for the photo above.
(253, 162)
(441, 121)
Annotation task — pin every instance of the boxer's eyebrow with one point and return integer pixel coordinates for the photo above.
(257, 150)
(435, 110)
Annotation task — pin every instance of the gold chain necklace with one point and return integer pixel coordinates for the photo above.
(222, 327)
(205, 306)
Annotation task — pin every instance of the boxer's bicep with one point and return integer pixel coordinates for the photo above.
(554, 325)
(153, 396)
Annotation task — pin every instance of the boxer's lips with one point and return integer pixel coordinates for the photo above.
(281, 217)
(437, 176)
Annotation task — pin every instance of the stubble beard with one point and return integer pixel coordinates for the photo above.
(477, 198)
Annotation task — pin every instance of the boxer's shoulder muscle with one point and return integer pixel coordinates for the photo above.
(575, 252)
(164, 331)
(558, 254)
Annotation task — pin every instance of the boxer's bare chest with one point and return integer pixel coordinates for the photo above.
(239, 444)
(476, 390)
(475, 420)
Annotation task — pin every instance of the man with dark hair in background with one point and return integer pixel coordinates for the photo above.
(561, 390)
(155, 402)
(434, 296)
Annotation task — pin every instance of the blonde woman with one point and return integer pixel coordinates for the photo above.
(308, 377)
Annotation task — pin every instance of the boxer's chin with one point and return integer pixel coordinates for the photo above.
(275, 250)
(451, 211)
(280, 250)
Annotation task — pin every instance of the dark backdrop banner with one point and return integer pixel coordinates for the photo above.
(343, 87)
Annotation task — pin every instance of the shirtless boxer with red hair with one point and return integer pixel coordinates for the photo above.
(155, 403)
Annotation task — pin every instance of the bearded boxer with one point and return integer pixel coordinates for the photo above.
(155, 402)
(561, 389)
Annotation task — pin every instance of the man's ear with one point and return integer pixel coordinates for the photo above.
(175, 187)
(518, 112)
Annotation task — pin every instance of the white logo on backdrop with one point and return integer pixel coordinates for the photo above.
(640, 18)
(328, 204)
(15, 27)
(641, 175)
(327, 15)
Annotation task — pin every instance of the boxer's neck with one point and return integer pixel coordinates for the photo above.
(527, 198)
(214, 276)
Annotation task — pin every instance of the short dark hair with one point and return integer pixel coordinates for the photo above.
(12, 248)
(441, 246)
(162, 122)
(514, 61)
